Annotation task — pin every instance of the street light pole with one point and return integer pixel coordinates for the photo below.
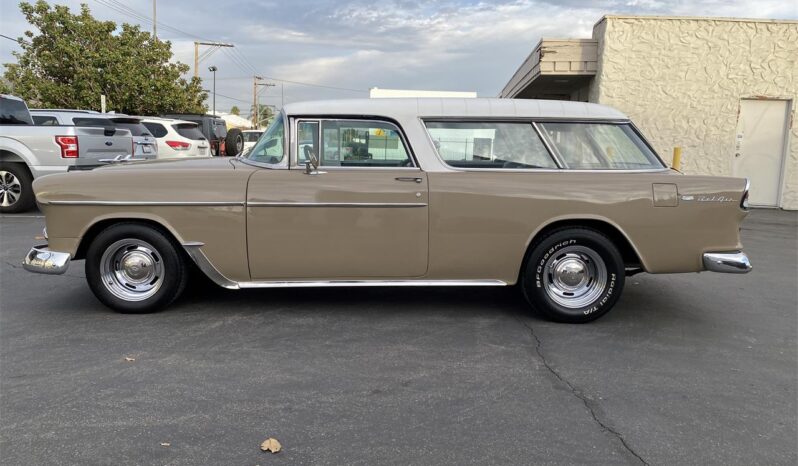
(213, 69)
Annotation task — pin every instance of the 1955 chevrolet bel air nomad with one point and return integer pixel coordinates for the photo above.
(563, 198)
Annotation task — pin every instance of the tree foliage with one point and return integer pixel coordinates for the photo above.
(266, 114)
(74, 58)
(235, 110)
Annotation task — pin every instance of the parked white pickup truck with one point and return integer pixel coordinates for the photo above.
(28, 152)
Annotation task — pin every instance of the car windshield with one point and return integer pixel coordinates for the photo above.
(271, 146)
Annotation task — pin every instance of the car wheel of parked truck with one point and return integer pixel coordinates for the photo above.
(134, 268)
(16, 192)
(573, 275)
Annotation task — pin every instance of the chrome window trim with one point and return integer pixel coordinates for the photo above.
(321, 119)
(336, 204)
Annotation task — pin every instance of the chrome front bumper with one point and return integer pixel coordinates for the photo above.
(42, 260)
(727, 262)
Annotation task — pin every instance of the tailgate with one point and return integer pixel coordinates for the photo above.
(95, 144)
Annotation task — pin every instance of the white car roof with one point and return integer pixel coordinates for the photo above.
(456, 107)
(167, 121)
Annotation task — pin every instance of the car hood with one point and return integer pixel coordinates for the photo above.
(202, 180)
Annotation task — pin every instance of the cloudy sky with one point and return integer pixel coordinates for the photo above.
(352, 45)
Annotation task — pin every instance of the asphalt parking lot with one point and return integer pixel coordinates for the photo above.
(687, 369)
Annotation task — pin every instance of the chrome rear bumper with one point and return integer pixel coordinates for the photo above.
(727, 262)
(42, 260)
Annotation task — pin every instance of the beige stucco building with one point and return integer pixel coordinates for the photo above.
(723, 89)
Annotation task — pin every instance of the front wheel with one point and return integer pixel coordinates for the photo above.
(135, 268)
(573, 275)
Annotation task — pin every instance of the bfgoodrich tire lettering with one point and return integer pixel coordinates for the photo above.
(135, 268)
(573, 275)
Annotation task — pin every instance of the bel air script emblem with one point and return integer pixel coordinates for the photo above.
(705, 198)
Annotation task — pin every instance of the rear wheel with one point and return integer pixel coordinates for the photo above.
(134, 268)
(234, 143)
(573, 275)
(16, 188)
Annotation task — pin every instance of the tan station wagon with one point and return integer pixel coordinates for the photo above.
(563, 198)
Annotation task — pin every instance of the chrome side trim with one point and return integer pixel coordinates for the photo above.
(194, 250)
(335, 204)
(363, 283)
(727, 262)
(40, 259)
(148, 203)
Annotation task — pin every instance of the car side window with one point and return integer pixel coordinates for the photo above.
(43, 120)
(352, 143)
(270, 148)
(158, 130)
(492, 145)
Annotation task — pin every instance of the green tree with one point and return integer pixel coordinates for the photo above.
(266, 114)
(235, 111)
(73, 58)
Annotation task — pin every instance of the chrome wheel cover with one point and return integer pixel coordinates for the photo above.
(10, 189)
(132, 269)
(574, 277)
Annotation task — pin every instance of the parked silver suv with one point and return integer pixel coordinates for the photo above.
(145, 145)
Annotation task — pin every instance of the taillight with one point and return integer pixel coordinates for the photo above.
(178, 145)
(68, 145)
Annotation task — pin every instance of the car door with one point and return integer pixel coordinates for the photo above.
(362, 215)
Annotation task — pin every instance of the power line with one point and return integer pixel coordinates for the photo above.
(18, 41)
(235, 55)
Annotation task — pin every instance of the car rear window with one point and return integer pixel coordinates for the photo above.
(251, 136)
(135, 126)
(43, 120)
(189, 130)
(96, 122)
(156, 129)
(14, 112)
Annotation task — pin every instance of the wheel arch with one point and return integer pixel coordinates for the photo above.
(629, 251)
(101, 223)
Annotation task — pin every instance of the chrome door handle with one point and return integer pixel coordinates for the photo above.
(409, 178)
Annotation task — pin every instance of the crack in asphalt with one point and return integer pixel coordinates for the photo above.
(578, 394)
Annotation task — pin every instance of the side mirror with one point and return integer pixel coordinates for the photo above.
(310, 155)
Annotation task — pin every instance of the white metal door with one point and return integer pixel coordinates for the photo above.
(759, 149)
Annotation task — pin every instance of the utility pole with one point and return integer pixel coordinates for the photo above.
(154, 21)
(213, 70)
(255, 104)
(214, 46)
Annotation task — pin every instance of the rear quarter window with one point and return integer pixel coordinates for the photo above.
(156, 129)
(600, 146)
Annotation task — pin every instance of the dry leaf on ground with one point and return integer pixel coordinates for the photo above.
(271, 444)
(129, 359)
